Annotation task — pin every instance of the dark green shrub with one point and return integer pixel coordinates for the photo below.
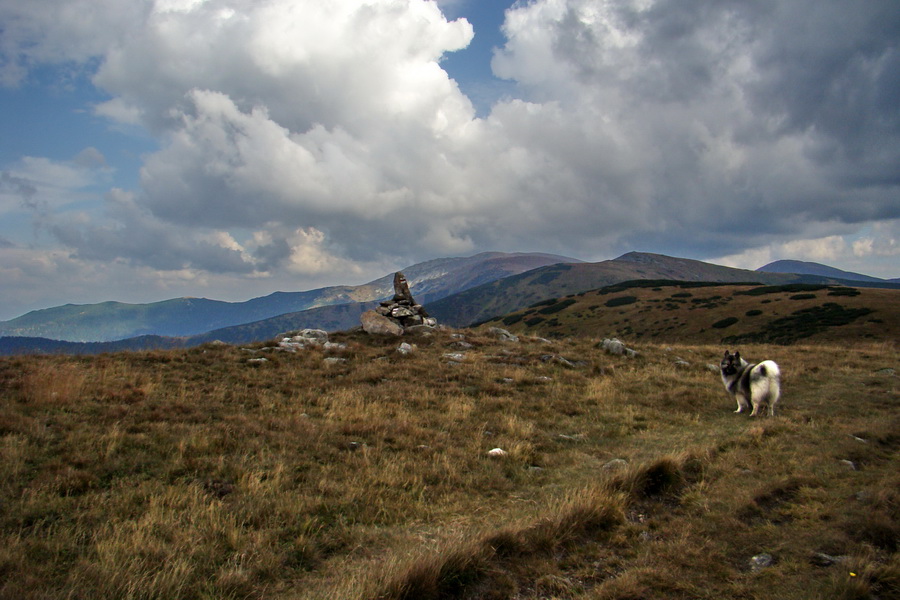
(727, 322)
(512, 319)
(753, 313)
(803, 297)
(776, 289)
(555, 308)
(843, 291)
(621, 301)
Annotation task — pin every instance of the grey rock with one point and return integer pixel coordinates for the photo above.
(401, 289)
(503, 335)
(761, 561)
(400, 312)
(377, 324)
(557, 359)
(406, 349)
(617, 348)
(616, 463)
(820, 559)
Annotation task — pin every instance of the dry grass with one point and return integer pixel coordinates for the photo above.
(197, 474)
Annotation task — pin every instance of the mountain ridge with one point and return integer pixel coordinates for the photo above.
(187, 316)
(468, 307)
(801, 267)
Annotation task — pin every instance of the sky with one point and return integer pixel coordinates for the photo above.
(227, 149)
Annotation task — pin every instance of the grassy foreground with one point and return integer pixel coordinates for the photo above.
(200, 474)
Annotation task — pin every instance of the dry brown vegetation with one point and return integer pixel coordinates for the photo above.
(197, 474)
(716, 313)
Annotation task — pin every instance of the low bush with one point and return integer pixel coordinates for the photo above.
(621, 301)
(726, 322)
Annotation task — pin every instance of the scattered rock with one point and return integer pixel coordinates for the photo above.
(617, 348)
(455, 356)
(257, 361)
(406, 349)
(761, 561)
(558, 359)
(299, 340)
(820, 559)
(503, 335)
(682, 363)
(714, 368)
(461, 345)
(496, 452)
(849, 464)
(616, 463)
(334, 346)
(334, 360)
(887, 371)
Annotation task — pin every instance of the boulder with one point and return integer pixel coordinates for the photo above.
(376, 324)
(616, 347)
(503, 335)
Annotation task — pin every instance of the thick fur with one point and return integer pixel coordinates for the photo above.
(756, 385)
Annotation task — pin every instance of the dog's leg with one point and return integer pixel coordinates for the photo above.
(755, 410)
(741, 402)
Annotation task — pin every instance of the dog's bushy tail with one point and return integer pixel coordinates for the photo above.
(766, 378)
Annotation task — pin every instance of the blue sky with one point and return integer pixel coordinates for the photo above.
(229, 148)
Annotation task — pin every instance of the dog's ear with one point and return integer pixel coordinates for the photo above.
(726, 354)
(737, 356)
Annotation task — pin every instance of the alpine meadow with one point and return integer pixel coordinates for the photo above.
(465, 463)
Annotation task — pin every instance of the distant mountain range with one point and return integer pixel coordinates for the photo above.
(457, 291)
(181, 317)
(811, 268)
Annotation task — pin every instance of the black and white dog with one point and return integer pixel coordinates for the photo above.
(750, 384)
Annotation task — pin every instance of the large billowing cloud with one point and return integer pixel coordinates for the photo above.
(300, 136)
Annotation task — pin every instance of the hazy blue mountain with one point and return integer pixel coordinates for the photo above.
(812, 268)
(181, 317)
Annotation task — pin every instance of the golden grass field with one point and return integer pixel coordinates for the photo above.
(197, 474)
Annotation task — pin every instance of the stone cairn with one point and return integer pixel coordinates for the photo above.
(399, 314)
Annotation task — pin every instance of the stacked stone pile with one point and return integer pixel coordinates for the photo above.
(399, 314)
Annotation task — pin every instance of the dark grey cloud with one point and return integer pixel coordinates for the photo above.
(302, 137)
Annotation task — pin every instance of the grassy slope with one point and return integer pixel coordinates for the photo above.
(717, 314)
(196, 474)
(515, 292)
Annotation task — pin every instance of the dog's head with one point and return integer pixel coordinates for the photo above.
(731, 363)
